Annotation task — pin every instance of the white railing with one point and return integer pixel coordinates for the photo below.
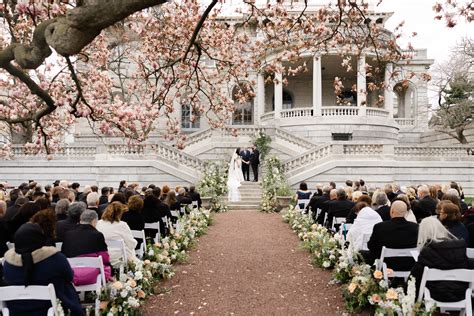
(297, 112)
(126, 150)
(267, 116)
(403, 122)
(177, 156)
(362, 149)
(435, 151)
(295, 140)
(198, 136)
(69, 151)
(307, 158)
(377, 112)
(339, 110)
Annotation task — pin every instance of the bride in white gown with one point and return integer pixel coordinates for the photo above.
(235, 177)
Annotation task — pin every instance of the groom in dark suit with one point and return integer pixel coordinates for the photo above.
(245, 154)
(254, 162)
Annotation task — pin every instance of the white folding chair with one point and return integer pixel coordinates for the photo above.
(175, 214)
(195, 204)
(32, 292)
(10, 245)
(118, 245)
(336, 221)
(140, 234)
(461, 275)
(305, 202)
(156, 226)
(395, 253)
(165, 220)
(365, 241)
(344, 229)
(470, 253)
(95, 263)
(59, 245)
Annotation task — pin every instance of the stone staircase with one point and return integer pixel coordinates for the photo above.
(250, 197)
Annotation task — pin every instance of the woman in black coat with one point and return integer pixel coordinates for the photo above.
(440, 250)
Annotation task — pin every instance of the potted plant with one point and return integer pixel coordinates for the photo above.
(206, 196)
(284, 194)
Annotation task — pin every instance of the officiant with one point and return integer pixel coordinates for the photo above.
(254, 162)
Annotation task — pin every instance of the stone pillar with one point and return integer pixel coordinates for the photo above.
(260, 98)
(388, 91)
(278, 95)
(361, 82)
(317, 86)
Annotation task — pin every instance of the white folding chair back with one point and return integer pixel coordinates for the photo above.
(395, 253)
(94, 263)
(118, 245)
(165, 220)
(10, 245)
(155, 225)
(195, 204)
(59, 245)
(336, 221)
(365, 240)
(32, 292)
(305, 202)
(470, 253)
(140, 234)
(174, 213)
(461, 275)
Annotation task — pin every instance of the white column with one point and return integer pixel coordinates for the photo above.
(278, 94)
(317, 86)
(361, 82)
(388, 91)
(260, 98)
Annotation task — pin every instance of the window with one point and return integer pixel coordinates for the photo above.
(287, 101)
(189, 119)
(342, 136)
(243, 114)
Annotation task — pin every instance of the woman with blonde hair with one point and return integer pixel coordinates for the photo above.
(439, 249)
(114, 229)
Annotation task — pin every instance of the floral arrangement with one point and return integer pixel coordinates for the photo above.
(274, 184)
(363, 286)
(214, 185)
(124, 295)
(262, 142)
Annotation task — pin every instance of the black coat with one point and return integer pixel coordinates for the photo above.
(195, 196)
(245, 154)
(11, 212)
(384, 212)
(444, 255)
(83, 240)
(318, 202)
(338, 208)
(62, 227)
(153, 211)
(425, 207)
(134, 220)
(103, 199)
(396, 233)
(255, 158)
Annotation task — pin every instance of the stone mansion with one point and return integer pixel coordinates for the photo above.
(317, 139)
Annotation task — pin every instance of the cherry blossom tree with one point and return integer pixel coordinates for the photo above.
(123, 64)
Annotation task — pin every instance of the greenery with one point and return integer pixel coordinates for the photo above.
(274, 184)
(262, 142)
(214, 185)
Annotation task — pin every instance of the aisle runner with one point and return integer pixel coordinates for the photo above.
(248, 263)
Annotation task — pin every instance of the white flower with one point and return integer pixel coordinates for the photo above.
(151, 253)
(124, 293)
(138, 276)
(133, 302)
(326, 264)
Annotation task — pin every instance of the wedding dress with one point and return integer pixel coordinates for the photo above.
(235, 178)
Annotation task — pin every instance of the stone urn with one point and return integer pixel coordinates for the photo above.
(283, 202)
(206, 202)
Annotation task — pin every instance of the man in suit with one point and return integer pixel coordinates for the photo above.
(182, 198)
(425, 206)
(396, 233)
(339, 207)
(317, 202)
(194, 195)
(245, 154)
(254, 162)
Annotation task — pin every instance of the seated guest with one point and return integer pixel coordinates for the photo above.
(133, 217)
(46, 219)
(154, 210)
(114, 229)
(317, 201)
(396, 233)
(439, 249)
(172, 202)
(3, 208)
(363, 224)
(388, 189)
(24, 215)
(357, 197)
(85, 241)
(410, 215)
(73, 214)
(75, 188)
(122, 186)
(339, 207)
(14, 195)
(104, 198)
(321, 203)
(362, 187)
(303, 194)
(381, 204)
(93, 201)
(450, 217)
(13, 210)
(117, 197)
(194, 195)
(164, 192)
(32, 262)
(426, 205)
(61, 209)
(182, 198)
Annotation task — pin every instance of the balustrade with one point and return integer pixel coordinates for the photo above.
(307, 158)
(362, 149)
(340, 111)
(267, 116)
(402, 122)
(291, 138)
(441, 151)
(297, 112)
(377, 112)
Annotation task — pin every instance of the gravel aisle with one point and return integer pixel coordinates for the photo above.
(248, 264)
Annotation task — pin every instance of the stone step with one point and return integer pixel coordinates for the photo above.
(250, 200)
(246, 202)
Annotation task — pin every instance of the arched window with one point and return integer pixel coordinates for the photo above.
(405, 105)
(242, 95)
(189, 118)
